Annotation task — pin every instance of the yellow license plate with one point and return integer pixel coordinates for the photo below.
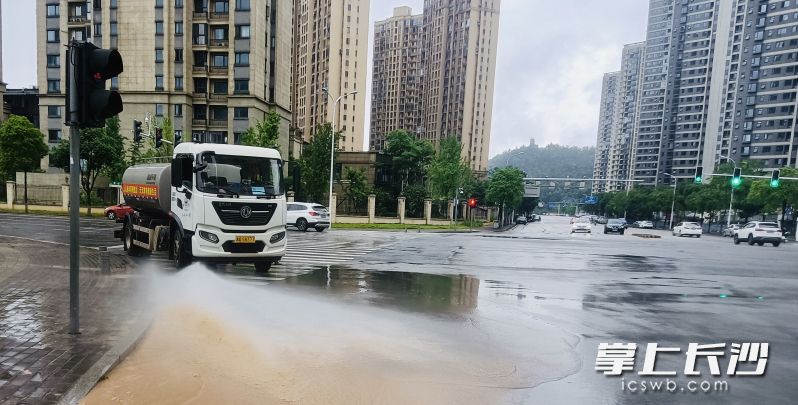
(245, 239)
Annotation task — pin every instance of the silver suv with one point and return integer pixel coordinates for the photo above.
(307, 215)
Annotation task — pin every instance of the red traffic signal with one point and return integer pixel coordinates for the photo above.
(472, 202)
(89, 104)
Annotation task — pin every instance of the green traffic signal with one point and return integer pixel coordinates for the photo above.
(775, 183)
(774, 178)
(698, 180)
(736, 181)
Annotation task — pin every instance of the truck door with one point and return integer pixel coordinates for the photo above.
(183, 189)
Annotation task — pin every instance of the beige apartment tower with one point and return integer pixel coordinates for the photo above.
(459, 65)
(213, 67)
(330, 52)
(396, 76)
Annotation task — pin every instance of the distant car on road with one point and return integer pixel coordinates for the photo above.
(687, 229)
(581, 225)
(601, 220)
(304, 215)
(729, 230)
(759, 233)
(645, 225)
(614, 226)
(521, 220)
(118, 211)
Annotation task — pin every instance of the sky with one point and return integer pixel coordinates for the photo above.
(550, 60)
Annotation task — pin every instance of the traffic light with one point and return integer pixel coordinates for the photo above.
(736, 177)
(136, 131)
(92, 67)
(774, 179)
(158, 137)
(472, 202)
(699, 174)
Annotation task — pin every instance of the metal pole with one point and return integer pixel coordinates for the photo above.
(26, 191)
(332, 155)
(731, 201)
(673, 206)
(74, 229)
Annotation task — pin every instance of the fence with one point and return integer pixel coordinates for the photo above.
(38, 195)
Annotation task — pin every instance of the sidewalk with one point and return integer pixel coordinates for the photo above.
(40, 362)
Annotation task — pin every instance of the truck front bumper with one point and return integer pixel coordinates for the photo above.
(269, 245)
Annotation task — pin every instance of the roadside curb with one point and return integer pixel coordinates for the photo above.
(115, 355)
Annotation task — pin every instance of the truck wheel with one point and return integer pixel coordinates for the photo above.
(262, 267)
(302, 224)
(180, 256)
(127, 241)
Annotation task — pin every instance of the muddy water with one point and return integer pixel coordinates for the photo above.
(222, 341)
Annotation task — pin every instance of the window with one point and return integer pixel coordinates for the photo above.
(221, 6)
(54, 136)
(200, 32)
(52, 35)
(113, 3)
(242, 58)
(159, 110)
(178, 111)
(178, 82)
(158, 3)
(178, 136)
(54, 61)
(98, 4)
(242, 5)
(237, 137)
(52, 10)
(114, 83)
(240, 113)
(178, 3)
(53, 86)
(114, 28)
(179, 28)
(159, 28)
(98, 30)
(219, 86)
(218, 113)
(242, 31)
(159, 55)
(158, 82)
(178, 55)
(219, 60)
(200, 85)
(219, 33)
(241, 86)
(53, 111)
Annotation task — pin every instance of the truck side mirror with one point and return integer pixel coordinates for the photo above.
(202, 161)
(177, 172)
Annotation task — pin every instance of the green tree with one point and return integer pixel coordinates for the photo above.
(414, 199)
(447, 172)
(506, 188)
(315, 163)
(101, 148)
(265, 133)
(409, 156)
(354, 187)
(22, 147)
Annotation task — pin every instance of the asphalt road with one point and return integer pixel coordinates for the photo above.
(521, 313)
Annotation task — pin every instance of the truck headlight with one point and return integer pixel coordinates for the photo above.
(277, 237)
(209, 237)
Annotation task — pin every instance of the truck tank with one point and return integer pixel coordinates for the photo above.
(147, 188)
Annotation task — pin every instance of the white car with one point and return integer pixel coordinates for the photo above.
(307, 215)
(688, 229)
(729, 230)
(646, 225)
(759, 233)
(581, 224)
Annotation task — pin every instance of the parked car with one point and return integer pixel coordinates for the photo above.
(581, 225)
(645, 225)
(521, 220)
(304, 215)
(729, 230)
(601, 220)
(687, 229)
(635, 224)
(118, 211)
(533, 218)
(614, 226)
(759, 233)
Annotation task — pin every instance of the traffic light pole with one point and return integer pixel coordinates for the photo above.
(74, 230)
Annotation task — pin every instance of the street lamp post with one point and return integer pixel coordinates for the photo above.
(673, 199)
(332, 144)
(731, 196)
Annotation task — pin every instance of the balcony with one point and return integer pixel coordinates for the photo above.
(217, 96)
(200, 15)
(220, 43)
(199, 122)
(78, 19)
(199, 94)
(217, 70)
(217, 123)
(219, 16)
(199, 69)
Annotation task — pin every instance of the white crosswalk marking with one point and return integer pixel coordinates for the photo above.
(310, 251)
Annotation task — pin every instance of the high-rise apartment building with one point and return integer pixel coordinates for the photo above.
(213, 67)
(330, 51)
(759, 116)
(608, 126)
(396, 76)
(459, 65)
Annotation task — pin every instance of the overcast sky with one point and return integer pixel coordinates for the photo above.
(551, 58)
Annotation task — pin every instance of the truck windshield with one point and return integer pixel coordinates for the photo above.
(241, 176)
